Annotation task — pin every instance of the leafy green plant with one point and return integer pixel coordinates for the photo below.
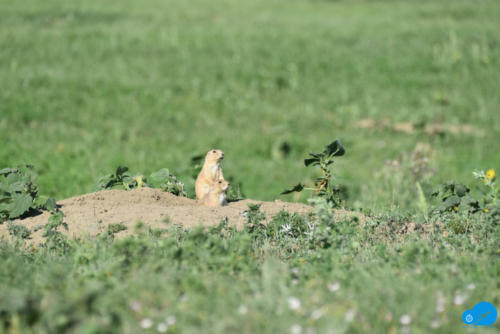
(123, 179)
(324, 186)
(120, 179)
(455, 197)
(55, 221)
(55, 240)
(19, 193)
(166, 181)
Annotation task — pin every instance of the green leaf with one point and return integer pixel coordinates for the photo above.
(50, 204)
(335, 148)
(461, 190)
(297, 188)
(13, 178)
(16, 187)
(121, 170)
(470, 202)
(311, 161)
(159, 178)
(20, 204)
(450, 202)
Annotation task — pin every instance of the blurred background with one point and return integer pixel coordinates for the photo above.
(410, 87)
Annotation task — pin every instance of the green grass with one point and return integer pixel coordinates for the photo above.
(345, 277)
(89, 85)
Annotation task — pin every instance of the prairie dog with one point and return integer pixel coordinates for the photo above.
(216, 196)
(210, 173)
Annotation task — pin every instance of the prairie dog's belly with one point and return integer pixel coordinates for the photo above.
(214, 172)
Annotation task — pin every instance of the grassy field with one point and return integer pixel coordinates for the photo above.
(410, 87)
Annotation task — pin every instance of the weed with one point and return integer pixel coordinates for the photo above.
(324, 185)
(162, 179)
(19, 193)
(166, 181)
(115, 228)
(18, 231)
(56, 240)
(491, 193)
(254, 224)
(454, 197)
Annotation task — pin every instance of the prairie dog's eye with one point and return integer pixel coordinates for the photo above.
(214, 151)
(220, 181)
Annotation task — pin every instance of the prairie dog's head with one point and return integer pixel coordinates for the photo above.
(221, 186)
(214, 155)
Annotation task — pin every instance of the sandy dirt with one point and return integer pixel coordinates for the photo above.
(90, 214)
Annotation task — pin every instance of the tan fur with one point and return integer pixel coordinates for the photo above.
(210, 173)
(216, 195)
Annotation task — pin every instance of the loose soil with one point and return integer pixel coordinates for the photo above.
(90, 214)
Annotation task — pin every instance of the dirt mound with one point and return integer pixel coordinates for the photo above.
(90, 214)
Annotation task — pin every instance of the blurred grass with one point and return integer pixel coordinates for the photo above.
(88, 85)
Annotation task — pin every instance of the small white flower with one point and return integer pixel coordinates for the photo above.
(295, 271)
(242, 309)
(286, 228)
(171, 320)
(162, 327)
(471, 286)
(316, 314)
(296, 329)
(293, 303)
(295, 281)
(405, 319)
(135, 306)
(435, 324)
(459, 299)
(350, 314)
(334, 286)
(146, 323)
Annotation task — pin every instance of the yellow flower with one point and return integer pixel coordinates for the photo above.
(455, 208)
(486, 210)
(490, 175)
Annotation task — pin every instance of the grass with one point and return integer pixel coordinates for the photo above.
(90, 85)
(344, 277)
(87, 86)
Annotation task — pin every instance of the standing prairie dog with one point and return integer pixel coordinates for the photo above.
(216, 196)
(210, 173)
